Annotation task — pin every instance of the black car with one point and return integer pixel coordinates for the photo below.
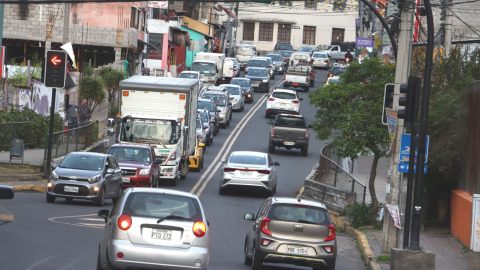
(283, 46)
(246, 87)
(259, 78)
(255, 62)
(209, 105)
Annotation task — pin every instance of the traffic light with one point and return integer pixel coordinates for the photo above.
(55, 69)
(387, 100)
(410, 101)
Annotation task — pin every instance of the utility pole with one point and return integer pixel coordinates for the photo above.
(230, 29)
(394, 178)
(362, 15)
(2, 13)
(448, 29)
(66, 22)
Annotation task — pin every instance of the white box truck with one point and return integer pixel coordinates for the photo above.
(245, 52)
(161, 112)
(213, 67)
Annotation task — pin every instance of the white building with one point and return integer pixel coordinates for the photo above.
(299, 22)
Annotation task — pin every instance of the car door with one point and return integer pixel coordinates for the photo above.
(335, 52)
(108, 227)
(112, 179)
(273, 170)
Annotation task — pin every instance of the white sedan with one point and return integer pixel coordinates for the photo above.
(283, 101)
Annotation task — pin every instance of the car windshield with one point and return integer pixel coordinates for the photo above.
(242, 83)
(246, 50)
(338, 70)
(204, 117)
(285, 54)
(326, 47)
(257, 73)
(83, 162)
(204, 68)
(299, 213)
(130, 154)
(219, 100)
(286, 47)
(205, 105)
(305, 49)
(160, 205)
(319, 55)
(284, 95)
(149, 131)
(290, 122)
(188, 75)
(257, 63)
(246, 159)
(234, 90)
(275, 57)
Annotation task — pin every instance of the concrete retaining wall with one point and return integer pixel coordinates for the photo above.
(334, 198)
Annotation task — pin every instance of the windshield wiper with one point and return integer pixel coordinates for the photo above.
(172, 217)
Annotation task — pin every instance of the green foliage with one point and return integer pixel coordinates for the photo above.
(33, 134)
(92, 88)
(361, 214)
(91, 135)
(383, 258)
(111, 79)
(113, 109)
(19, 75)
(89, 71)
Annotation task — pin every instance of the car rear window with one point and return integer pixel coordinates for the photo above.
(205, 105)
(286, 47)
(320, 55)
(299, 213)
(247, 159)
(158, 205)
(283, 95)
(243, 83)
(338, 70)
(290, 122)
(130, 154)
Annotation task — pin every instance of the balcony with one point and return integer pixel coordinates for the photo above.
(162, 26)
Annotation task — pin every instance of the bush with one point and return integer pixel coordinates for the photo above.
(361, 214)
(91, 136)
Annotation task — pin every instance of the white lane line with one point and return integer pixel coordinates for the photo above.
(215, 160)
(91, 225)
(230, 143)
(42, 261)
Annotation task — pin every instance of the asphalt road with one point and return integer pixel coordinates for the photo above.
(66, 235)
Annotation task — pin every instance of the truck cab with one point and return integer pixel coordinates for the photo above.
(208, 71)
(245, 52)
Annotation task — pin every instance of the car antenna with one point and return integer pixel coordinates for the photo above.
(299, 200)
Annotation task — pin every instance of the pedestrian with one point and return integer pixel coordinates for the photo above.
(72, 115)
(227, 46)
(348, 56)
(84, 113)
(360, 58)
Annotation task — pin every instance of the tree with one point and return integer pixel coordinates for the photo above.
(349, 113)
(111, 79)
(92, 88)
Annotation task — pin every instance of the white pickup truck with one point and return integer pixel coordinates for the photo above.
(297, 76)
(335, 52)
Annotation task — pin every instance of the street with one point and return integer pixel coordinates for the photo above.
(65, 235)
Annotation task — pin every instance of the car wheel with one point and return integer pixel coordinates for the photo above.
(204, 149)
(50, 198)
(267, 115)
(201, 162)
(228, 123)
(69, 199)
(271, 149)
(99, 263)
(109, 265)
(218, 128)
(117, 196)
(257, 263)
(307, 88)
(208, 142)
(211, 139)
(247, 261)
(304, 151)
(100, 200)
(275, 188)
(243, 107)
(222, 191)
(331, 266)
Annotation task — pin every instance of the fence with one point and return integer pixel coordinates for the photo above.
(73, 139)
(330, 173)
(20, 130)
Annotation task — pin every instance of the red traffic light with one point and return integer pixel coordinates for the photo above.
(56, 61)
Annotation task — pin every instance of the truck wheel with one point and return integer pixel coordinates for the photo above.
(271, 149)
(307, 88)
(267, 115)
(173, 182)
(304, 151)
(312, 83)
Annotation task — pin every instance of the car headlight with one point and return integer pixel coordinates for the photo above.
(236, 100)
(94, 179)
(54, 176)
(224, 111)
(144, 172)
(170, 169)
(265, 80)
(249, 95)
(174, 156)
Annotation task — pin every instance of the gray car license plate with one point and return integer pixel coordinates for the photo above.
(297, 250)
(288, 143)
(70, 189)
(162, 234)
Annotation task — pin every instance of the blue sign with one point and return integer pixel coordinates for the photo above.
(405, 148)
(364, 42)
(403, 167)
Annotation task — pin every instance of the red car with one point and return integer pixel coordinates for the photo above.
(140, 167)
(311, 72)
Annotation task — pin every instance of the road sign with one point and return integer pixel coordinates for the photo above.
(403, 167)
(405, 148)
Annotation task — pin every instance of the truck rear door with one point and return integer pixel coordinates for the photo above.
(290, 128)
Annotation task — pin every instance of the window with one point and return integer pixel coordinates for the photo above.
(309, 35)
(284, 32)
(266, 32)
(285, 3)
(248, 30)
(337, 34)
(339, 5)
(135, 18)
(311, 4)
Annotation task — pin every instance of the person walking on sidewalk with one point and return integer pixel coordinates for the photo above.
(72, 115)
(84, 113)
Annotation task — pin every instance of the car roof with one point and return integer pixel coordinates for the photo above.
(233, 85)
(250, 153)
(240, 79)
(130, 145)
(215, 93)
(205, 100)
(287, 200)
(89, 154)
(162, 191)
(284, 91)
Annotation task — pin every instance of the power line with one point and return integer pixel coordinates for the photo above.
(469, 26)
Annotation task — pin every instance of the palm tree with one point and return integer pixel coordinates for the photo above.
(92, 88)
(111, 79)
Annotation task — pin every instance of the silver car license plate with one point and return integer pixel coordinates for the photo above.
(162, 234)
(282, 104)
(255, 84)
(297, 250)
(245, 173)
(288, 143)
(70, 189)
(126, 179)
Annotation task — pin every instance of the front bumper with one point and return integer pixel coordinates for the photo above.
(222, 118)
(262, 86)
(280, 143)
(168, 172)
(156, 257)
(137, 180)
(85, 190)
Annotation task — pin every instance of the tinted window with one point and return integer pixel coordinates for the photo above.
(290, 122)
(219, 100)
(233, 90)
(257, 73)
(320, 55)
(299, 213)
(283, 95)
(332, 81)
(275, 57)
(338, 70)
(286, 54)
(246, 159)
(286, 47)
(257, 63)
(130, 154)
(204, 117)
(161, 205)
(83, 162)
(243, 83)
(205, 105)
(188, 75)
(305, 49)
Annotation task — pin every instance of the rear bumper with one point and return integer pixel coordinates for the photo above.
(273, 111)
(320, 64)
(156, 257)
(289, 84)
(228, 182)
(280, 143)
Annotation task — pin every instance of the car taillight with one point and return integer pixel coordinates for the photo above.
(265, 242)
(326, 61)
(271, 99)
(273, 132)
(229, 169)
(295, 101)
(125, 222)
(306, 80)
(328, 249)
(263, 171)
(285, 77)
(331, 233)
(265, 222)
(306, 133)
(199, 136)
(199, 229)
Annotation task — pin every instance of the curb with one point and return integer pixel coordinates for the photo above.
(30, 188)
(20, 177)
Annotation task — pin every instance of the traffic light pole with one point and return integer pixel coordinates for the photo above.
(50, 133)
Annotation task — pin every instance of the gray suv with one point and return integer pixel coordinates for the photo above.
(291, 231)
(223, 103)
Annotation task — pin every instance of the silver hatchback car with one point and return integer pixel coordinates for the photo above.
(152, 228)
(291, 231)
(247, 169)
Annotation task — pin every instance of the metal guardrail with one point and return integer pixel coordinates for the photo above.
(331, 173)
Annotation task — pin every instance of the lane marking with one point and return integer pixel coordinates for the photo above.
(75, 220)
(42, 261)
(204, 179)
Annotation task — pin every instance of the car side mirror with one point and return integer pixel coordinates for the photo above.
(218, 110)
(111, 122)
(201, 144)
(223, 160)
(6, 193)
(54, 166)
(104, 213)
(185, 129)
(301, 99)
(158, 161)
(249, 216)
(309, 126)
(110, 171)
(270, 122)
(276, 164)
